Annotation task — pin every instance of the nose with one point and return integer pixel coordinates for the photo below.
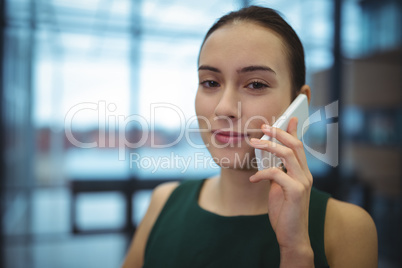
(228, 105)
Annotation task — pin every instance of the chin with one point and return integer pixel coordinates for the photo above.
(236, 160)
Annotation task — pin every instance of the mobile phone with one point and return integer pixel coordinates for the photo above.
(298, 108)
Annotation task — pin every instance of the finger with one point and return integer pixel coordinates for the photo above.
(289, 141)
(288, 185)
(288, 158)
(284, 153)
(271, 174)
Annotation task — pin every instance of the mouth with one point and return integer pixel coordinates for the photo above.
(228, 137)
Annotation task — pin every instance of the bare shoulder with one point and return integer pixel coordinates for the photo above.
(135, 254)
(161, 193)
(159, 197)
(350, 236)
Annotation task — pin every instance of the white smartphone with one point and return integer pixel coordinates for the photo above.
(298, 108)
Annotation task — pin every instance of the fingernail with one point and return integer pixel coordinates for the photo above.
(255, 141)
(258, 143)
(267, 127)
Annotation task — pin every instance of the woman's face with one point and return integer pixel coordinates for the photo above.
(244, 81)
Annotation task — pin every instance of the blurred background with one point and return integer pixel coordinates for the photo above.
(94, 92)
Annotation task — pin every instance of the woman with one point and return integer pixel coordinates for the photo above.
(251, 66)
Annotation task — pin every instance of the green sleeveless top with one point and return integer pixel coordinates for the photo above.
(185, 235)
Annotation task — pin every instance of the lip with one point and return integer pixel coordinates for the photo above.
(228, 137)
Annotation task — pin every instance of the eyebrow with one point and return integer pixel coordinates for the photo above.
(209, 68)
(247, 69)
(254, 68)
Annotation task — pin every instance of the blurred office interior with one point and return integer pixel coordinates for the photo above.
(84, 83)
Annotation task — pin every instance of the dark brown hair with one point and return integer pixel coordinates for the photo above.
(271, 19)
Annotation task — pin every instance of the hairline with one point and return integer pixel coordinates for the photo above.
(284, 44)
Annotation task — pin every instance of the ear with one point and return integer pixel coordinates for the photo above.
(305, 89)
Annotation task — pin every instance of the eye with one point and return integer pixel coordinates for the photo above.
(257, 85)
(209, 83)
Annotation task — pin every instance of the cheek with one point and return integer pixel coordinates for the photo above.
(204, 107)
(201, 111)
(197, 103)
(262, 112)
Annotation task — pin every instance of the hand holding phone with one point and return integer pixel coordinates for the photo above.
(298, 108)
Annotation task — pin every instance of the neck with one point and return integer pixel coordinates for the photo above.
(238, 196)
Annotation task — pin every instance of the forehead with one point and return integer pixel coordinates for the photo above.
(245, 43)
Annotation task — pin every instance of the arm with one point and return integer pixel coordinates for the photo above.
(350, 236)
(135, 254)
